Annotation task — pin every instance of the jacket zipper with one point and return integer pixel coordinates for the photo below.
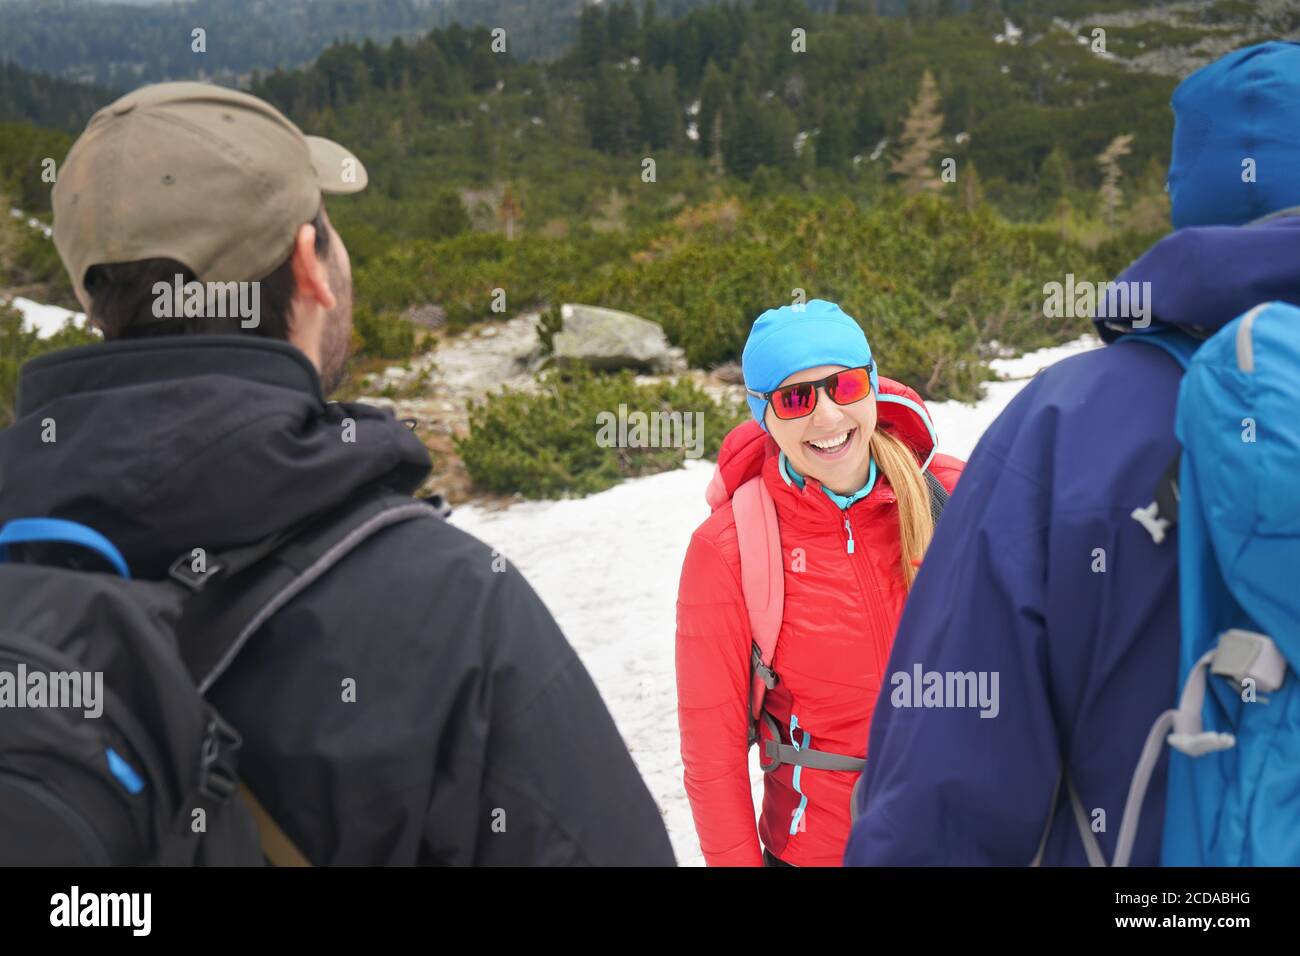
(869, 596)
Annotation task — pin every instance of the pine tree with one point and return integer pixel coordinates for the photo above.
(713, 94)
(622, 28)
(509, 212)
(868, 123)
(920, 140)
(1055, 176)
(1108, 159)
(972, 190)
(833, 141)
(657, 92)
(592, 36)
(611, 111)
(749, 142)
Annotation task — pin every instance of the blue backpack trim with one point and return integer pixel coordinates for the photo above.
(52, 530)
(1170, 340)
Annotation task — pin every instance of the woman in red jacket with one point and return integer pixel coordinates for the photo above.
(842, 454)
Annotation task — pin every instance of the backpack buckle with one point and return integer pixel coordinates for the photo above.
(183, 571)
(217, 779)
(1243, 655)
(766, 674)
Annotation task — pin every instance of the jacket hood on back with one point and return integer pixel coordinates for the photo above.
(168, 444)
(899, 410)
(1205, 276)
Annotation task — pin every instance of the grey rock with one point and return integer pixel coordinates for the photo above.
(428, 316)
(730, 372)
(606, 339)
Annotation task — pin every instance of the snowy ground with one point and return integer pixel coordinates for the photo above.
(607, 567)
(45, 319)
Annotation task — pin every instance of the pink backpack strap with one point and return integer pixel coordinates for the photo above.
(762, 578)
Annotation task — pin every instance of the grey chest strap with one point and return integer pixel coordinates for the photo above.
(779, 753)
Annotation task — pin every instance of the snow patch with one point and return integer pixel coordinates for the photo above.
(46, 319)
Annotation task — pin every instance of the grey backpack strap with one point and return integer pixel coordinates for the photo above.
(938, 495)
(812, 759)
(239, 594)
(780, 753)
(1090, 845)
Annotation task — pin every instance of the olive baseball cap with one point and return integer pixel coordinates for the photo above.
(214, 178)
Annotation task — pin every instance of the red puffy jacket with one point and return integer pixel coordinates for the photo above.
(837, 628)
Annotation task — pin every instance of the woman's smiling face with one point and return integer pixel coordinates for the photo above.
(831, 444)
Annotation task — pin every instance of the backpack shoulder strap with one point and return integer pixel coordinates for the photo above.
(1162, 513)
(1175, 342)
(762, 579)
(242, 589)
(938, 495)
(254, 582)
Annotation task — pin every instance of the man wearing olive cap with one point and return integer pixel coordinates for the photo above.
(468, 731)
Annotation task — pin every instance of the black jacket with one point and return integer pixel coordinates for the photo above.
(476, 735)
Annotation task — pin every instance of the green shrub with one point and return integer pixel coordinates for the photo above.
(17, 345)
(381, 334)
(932, 283)
(546, 445)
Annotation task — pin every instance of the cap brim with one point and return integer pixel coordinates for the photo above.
(337, 170)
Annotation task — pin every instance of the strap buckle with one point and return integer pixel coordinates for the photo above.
(769, 676)
(217, 779)
(1243, 655)
(182, 571)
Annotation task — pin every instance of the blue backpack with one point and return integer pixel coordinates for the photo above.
(1233, 794)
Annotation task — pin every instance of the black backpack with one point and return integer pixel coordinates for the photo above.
(109, 752)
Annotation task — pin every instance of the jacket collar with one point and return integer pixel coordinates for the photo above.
(91, 368)
(842, 502)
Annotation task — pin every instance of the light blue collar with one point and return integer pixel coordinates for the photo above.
(841, 501)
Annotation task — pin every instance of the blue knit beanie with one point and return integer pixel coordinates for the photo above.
(1244, 106)
(795, 337)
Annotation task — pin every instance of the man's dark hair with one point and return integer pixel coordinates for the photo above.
(122, 297)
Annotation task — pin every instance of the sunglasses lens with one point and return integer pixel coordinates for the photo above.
(793, 401)
(849, 387)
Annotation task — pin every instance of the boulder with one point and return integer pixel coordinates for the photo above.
(606, 339)
(429, 316)
(730, 372)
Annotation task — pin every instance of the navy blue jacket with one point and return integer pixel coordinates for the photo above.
(1086, 658)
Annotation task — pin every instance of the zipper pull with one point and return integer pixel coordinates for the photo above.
(849, 528)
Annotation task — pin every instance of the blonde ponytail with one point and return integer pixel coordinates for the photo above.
(915, 524)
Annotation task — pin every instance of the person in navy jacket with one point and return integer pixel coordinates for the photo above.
(1039, 573)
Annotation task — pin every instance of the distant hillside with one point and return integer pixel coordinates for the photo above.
(126, 42)
(123, 45)
(26, 96)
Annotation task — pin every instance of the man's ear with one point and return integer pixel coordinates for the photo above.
(310, 277)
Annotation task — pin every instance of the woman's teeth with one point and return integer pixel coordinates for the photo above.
(831, 444)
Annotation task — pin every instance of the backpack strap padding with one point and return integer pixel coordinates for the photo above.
(762, 579)
(938, 495)
(220, 620)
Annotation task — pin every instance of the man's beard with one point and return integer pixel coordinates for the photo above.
(336, 333)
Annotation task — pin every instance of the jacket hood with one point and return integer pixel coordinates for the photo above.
(1236, 136)
(899, 410)
(1203, 277)
(168, 444)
